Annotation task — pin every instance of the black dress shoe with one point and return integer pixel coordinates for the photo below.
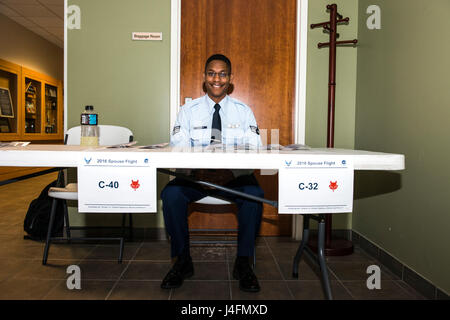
(244, 273)
(182, 269)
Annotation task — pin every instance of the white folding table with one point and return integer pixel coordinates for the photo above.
(204, 158)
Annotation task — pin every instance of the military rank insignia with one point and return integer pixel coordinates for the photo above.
(254, 129)
(176, 129)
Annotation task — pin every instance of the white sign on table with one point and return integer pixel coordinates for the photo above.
(116, 182)
(315, 184)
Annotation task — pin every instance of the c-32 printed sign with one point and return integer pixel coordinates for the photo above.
(116, 182)
(311, 184)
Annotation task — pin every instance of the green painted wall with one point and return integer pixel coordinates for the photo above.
(317, 83)
(402, 106)
(127, 82)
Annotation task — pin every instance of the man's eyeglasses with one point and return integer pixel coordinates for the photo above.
(212, 74)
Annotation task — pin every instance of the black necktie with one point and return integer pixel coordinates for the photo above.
(216, 128)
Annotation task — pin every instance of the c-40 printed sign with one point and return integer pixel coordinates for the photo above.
(116, 182)
(315, 184)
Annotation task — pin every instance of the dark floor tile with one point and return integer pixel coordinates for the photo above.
(285, 241)
(264, 253)
(270, 290)
(17, 239)
(415, 294)
(146, 270)
(53, 270)
(358, 270)
(90, 290)
(111, 252)
(202, 290)
(261, 253)
(205, 270)
(264, 270)
(390, 290)
(9, 268)
(101, 270)
(22, 275)
(208, 253)
(69, 251)
(26, 289)
(306, 271)
(155, 251)
(313, 290)
(418, 283)
(139, 290)
(19, 251)
(12, 228)
(284, 253)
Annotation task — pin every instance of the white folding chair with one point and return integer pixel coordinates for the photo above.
(109, 135)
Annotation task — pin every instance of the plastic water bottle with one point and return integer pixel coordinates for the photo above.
(89, 127)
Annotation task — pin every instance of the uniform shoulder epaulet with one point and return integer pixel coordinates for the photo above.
(239, 103)
(191, 104)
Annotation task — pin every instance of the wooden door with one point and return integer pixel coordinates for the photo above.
(259, 38)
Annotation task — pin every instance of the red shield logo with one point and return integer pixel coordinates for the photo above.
(135, 184)
(333, 185)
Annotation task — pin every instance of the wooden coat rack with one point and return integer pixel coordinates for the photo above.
(335, 247)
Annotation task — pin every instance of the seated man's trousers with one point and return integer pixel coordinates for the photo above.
(177, 195)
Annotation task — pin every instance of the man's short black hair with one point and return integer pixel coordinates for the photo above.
(220, 57)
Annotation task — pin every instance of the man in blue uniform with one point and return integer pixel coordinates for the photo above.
(213, 118)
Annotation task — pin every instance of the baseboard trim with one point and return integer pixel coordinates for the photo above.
(409, 276)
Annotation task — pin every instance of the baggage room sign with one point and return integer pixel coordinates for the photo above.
(315, 184)
(116, 182)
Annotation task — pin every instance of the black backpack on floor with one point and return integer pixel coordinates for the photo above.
(38, 216)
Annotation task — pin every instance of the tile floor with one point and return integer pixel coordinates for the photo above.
(22, 276)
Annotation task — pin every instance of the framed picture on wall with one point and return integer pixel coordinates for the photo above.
(6, 106)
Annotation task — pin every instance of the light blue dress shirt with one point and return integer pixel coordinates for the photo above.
(194, 121)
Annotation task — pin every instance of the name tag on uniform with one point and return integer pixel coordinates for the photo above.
(315, 184)
(200, 127)
(116, 182)
(254, 129)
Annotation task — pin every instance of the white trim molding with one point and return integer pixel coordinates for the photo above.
(300, 70)
(300, 92)
(175, 42)
(65, 86)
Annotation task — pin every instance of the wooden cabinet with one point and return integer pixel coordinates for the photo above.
(37, 105)
(10, 79)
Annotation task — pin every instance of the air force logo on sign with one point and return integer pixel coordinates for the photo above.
(315, 184)
(116, 182)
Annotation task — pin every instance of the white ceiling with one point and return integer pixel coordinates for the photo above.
(43, 17)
